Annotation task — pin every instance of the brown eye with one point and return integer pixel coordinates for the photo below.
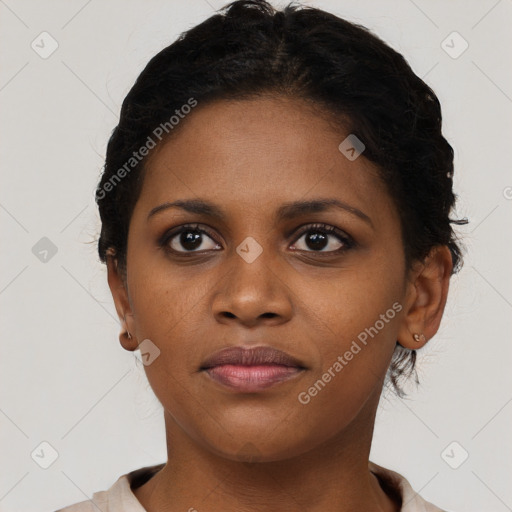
(324, 238)
(188, 239)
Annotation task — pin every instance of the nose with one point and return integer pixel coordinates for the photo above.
(253, 292)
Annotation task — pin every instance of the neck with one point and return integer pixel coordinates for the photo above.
(331, 477)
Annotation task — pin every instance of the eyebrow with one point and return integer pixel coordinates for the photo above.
(284, 212)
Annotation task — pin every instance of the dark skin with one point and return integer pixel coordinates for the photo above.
(249, 158)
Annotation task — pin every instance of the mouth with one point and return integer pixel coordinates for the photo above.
(250, 370)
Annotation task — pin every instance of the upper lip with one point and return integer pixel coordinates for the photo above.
(260, 355)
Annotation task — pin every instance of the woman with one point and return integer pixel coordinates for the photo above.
(275, 223)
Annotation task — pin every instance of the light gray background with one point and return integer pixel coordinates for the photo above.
(64, 377)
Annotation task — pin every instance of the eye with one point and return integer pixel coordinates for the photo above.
(316, 238)
(190, 237)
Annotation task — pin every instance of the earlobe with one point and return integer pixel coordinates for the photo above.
(119, 292)
(427, 295)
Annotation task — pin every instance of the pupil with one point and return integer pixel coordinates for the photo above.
(316, 241)
(190, 240)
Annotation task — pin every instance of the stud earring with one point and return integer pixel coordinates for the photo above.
(418, 337)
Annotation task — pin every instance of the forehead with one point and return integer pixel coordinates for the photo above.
(255, 153)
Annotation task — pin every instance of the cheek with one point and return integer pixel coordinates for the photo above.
(361, 302)
(165, 309)
(355, 322)
(164, 298)
(352, 367)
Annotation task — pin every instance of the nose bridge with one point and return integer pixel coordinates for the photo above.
(253, 249)
(252, 263)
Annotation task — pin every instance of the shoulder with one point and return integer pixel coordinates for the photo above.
(411, 500)
(119, 497)
(98, 500)
(106, 501)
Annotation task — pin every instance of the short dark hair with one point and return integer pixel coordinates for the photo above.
(365, 87)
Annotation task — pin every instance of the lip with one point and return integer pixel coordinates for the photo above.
(243, 356)
(251, 379)
(250, 370)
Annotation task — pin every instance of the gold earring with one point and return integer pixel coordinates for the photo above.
(418, 337)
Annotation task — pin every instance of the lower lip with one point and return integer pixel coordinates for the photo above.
(251, 379)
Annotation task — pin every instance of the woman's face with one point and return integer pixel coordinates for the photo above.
(263, 274)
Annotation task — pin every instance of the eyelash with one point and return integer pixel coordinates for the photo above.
(348, 242)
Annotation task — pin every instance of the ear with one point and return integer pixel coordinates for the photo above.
(426, 297)
(119, 290)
